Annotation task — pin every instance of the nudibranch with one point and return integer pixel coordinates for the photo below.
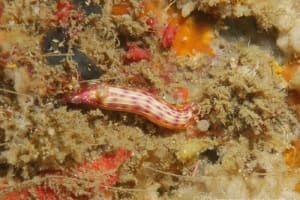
(136, 101)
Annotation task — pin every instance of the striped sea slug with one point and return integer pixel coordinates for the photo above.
(135, 101)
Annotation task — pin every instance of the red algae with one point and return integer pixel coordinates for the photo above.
(135, 54)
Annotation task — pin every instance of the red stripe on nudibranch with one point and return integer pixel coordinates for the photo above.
(135, 101)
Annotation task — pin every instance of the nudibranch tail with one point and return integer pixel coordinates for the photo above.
(135, 101)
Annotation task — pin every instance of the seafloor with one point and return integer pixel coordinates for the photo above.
(236, 60)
